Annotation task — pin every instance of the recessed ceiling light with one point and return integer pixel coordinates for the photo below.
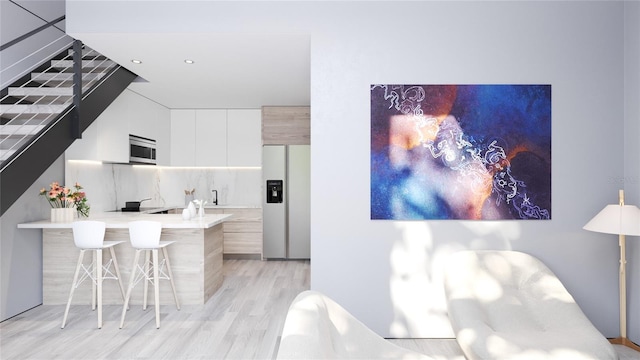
(136, 61)
(188, 61)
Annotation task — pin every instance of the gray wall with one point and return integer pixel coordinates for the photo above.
(389, 273)
(19, 17)
(631, 179)
(21, 249)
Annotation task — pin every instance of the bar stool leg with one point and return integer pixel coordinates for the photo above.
(99, 280)
(73, 288)
(93, 284)
(146, 279)
(156, 287)
(115, 264)
(173, 287)
(132, 278)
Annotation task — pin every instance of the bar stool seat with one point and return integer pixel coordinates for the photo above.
(89, 236)
(145, 237)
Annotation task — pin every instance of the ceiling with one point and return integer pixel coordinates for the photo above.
(229, 70)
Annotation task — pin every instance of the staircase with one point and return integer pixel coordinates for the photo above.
(36, 115)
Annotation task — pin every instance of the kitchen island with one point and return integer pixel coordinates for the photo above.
(196, 257)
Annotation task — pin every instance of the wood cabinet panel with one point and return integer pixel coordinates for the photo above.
(243, 226)
(243, 231)
(245, 214)
(286, 125)
(243, 243)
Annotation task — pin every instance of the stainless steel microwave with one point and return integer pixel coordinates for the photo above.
(142, 150)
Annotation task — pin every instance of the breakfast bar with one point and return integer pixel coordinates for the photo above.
(196, 257)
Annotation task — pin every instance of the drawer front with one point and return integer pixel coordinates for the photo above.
(244, 214)
(242, 226)
(214, 211)
(243, 243)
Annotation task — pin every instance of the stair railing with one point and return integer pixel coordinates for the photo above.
(33, 109)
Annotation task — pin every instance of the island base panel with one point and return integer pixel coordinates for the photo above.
(196, 261)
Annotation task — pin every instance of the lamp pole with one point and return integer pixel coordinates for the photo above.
(623, 277)
(622, 340)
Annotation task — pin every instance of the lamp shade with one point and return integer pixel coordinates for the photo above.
(616, 219)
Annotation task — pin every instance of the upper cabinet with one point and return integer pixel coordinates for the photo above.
(211, 137)
(183, 132)
(107, 138)
(216, 137)
(244, 147)
(286, 125)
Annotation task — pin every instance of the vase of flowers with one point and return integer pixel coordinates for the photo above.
(65, 202)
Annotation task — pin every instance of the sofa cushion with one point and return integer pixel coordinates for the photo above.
(316, 327)
(509, 305)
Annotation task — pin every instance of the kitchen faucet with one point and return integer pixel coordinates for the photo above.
(214, 199)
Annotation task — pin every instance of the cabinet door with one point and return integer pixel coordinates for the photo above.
(85, 148)
(244, 144)
(113, 129)
(211, 137)
(286, 125)
(183, 132)
(243, 231)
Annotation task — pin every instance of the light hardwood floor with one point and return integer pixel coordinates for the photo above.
(243, 320)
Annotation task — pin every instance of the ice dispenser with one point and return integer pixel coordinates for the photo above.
(274, 191)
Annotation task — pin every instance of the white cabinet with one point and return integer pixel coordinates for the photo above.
(216, 137)
(244, 133)
(183, 132)
(107, 138)
(211, 137)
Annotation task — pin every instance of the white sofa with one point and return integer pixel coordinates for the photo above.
(509, 305)
(318, 328)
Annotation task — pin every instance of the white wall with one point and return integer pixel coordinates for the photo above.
(388, 273)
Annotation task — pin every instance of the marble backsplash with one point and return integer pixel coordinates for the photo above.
(109, 186)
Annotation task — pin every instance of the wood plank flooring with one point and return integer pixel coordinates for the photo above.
(243, 320)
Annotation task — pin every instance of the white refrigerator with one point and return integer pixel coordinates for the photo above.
(286, 201)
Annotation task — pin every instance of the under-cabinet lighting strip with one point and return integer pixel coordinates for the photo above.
(98, 162)
(200, 167)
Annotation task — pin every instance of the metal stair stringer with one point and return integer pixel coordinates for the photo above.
(18, 175)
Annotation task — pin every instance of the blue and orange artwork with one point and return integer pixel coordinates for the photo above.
(466, 152)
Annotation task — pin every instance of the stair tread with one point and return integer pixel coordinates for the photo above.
(40, 91)
(4, 154)
(19, 130)
(64, 76)
(15, 109)
(68, 64)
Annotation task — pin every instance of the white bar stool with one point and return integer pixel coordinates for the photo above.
(89, 235)
(145, 236)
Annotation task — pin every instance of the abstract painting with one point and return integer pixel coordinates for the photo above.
(465, 152)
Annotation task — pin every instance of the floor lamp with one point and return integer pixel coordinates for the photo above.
(621, 220)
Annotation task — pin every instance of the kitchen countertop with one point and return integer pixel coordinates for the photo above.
(120, 220)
